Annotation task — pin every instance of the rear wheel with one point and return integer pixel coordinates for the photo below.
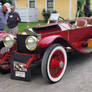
(54, 63)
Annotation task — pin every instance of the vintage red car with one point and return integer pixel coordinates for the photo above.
(48, 45)
(5, 51)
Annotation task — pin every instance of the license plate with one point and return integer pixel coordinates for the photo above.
(20, 74)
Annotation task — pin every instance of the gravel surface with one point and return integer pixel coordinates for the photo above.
(77, 78)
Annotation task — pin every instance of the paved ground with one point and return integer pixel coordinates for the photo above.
(78, 78)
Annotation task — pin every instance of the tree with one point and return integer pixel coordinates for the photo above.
(87, 11)
(4, 1)
(80, 8)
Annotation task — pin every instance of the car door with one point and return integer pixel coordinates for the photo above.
(80, 34)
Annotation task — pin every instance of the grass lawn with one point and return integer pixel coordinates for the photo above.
(22, 26)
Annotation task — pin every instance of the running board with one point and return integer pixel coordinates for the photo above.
(86, 50)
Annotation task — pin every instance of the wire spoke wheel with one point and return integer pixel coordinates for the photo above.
(54, 63)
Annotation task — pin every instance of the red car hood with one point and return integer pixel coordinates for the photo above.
(53, 27)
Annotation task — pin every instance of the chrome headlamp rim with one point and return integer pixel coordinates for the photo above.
(36, 43)
(12, 39)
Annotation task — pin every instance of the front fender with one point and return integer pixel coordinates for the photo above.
(46, 41)
(3, 34)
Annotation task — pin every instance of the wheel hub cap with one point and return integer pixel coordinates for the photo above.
(61, 64)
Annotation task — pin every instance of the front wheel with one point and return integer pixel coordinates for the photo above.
(54, 63)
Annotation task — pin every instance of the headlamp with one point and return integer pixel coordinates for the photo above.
(9, 41)
(31, 43)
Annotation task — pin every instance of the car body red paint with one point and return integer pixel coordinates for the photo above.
(54, 38)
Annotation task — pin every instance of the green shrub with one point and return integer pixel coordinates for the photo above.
(46, 14)
(87, 11)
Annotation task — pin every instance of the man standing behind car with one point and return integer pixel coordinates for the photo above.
(12, 22)
(4, 15)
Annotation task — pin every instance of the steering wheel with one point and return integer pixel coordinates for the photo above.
(61, 19)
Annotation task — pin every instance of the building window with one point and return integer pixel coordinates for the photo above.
(14, 3)
(50, 5)
(31, 3)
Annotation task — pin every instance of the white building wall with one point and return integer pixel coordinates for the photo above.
(28, 14)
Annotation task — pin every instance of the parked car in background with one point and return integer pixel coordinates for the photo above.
(5, 51)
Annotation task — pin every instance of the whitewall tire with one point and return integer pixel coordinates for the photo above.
(54, 63)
